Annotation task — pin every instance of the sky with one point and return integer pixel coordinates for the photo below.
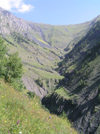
(55, 12)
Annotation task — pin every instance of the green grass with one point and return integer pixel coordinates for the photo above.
(43, 41)
(47, 75)
(95, 61)
(63, 93)
(44, 55)
(71, 68)
(19, 113)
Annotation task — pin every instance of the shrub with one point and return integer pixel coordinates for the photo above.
(10, 67)
(31, 94)
(39, 82)
(14, 68)
(3, 49)
(17, 84)
(82, 83)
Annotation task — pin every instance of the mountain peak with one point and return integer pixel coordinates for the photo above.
(5, 12)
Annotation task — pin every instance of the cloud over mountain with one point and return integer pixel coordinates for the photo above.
(16, 5)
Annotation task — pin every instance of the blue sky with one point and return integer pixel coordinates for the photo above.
(57, 12)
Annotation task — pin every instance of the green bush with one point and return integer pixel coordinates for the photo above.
(3, 48)
(14, 68)
(11, 68)
(82, 83)
(3, 59)
(17, 84)
(31, 94)
(39, 82)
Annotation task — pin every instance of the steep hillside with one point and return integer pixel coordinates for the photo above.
(80, 97)
(77, 55)
(41, 34)
(21, 114)
(40, 46)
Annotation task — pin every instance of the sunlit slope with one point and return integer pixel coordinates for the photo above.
(19, 113)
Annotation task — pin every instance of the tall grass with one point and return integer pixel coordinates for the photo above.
(21, 114)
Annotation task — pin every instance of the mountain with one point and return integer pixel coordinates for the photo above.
(81, 47)
(78, 94)
(40, 47)
(63, 61)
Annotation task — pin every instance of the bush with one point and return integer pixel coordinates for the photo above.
(39, 82)
(17, 84)
(10, 67)
(31, 94)
(3, 59)
(82, 83)
(3, 49)
(14, 68)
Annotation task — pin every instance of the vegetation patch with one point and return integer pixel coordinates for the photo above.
(19, 114)
(63, 93)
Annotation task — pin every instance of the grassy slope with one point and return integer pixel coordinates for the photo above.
(18, 113)
(60, 36)
(62, 92)
(38, 62)
(35, 56)
(57, 37)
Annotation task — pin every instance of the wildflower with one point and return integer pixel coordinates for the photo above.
(18, 122)
(20, 132)
(49, 117)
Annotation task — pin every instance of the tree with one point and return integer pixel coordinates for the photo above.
(14, 69)
(3, 49)
(10, 67)
(3, 58)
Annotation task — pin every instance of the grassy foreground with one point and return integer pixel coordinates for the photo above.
(21, 115)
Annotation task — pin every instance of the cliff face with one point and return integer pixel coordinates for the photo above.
(84, 116)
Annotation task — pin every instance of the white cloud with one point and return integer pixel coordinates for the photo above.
(25, 8)
(15, 5)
